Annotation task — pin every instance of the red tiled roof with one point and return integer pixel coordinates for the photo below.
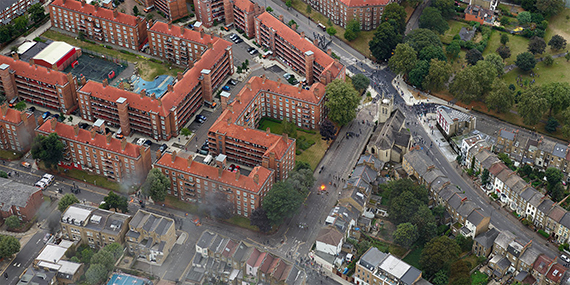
(358, 3)
(13, 116)
(230, 248)
(228, 177)
(175, 31)
(260, 259)
(496, 168)
(253, 257)
(111, 94)
(84, 136)
(35, 72)
(542, 263)
(267, 263)
(103, 13)
(321, 57)
(244, 5)
(555, 273)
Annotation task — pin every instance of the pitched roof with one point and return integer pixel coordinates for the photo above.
(230, 248)
(229, 178)
(12, 115)
(419, 161)
(372, 258)
(15, 194)
(508, 135)
(189, 34)
(91, 10)
(487, 238)
(244, 5)
(35, 72)
(84, 137)
(264, 268)
(555, 273)
(565, 221)
(545, 206)
(391, 132)
(476, 217)
(330, 235)
(157, 224)
(542, 263)
(557, 213)
(496, 168)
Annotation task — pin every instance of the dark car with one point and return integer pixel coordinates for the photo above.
(232, 167)
(226, 88)
(198, 120)
(163, 148)
(147, 143)
(232, 82)
(205, 147)
(202, 117)
(250, 49)
(32, 109)
(46, 115)
(84, 126)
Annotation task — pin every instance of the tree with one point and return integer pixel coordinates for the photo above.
(465, 243)
(532, 105)
(403, 207)
(269, 9)
(497, 62)
(473, 56)
(501, 98)
(9, 246)
(309, 9)
(289, 128)
(474, 82)
(331, 31)
(405, 235)
(48, 149)
(459, 273)
(136, 10)
(290, 24)
(553, 177)
(3, 174)
(453, 49)
(360, 82)
(104, 258)
(21, 23)
(37, 12)
(396, 14)
(349, 35)
(329, 22)
(156, 185)
(551, 125)
(438, 75)
(536, 45)
(185, 132)
(430, 52)
(504, 39)
(525, 61)
(548, 60)
(441, 278)
(504, 52)
(66, 201)
(13, 222)
(299, 165)
(86, 255)
(565, 118)
(386, 37)
(421, 38)
(506, 160)
(557, 42)
(282, 201)
(114, 201)
(567, 56)
(418, 74)
(259, 218)
(327, 130)
(424, 220)
(558, 96)
(432, 19)
(524, 17)
(549, 7)
(115, 249)
(20, 106)
(403, 60)
(6, 32)
(289, 3)
(97, 273)
(342, 102)
(354, 26)
(485, 176)
(446, 7)
(557, 192)
(438, 254)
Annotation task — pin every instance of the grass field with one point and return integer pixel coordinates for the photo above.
(517, 44)
(454, 28)
(413, 258)
(558, 72)
(313, 154)
(10, 155)
(560, 25)
(96, 180)
(174, 202)
(148, 69)
(479, 278)
(242, 222)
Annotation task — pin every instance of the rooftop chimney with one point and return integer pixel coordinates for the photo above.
(231, 108)
(53, 120)
(179, 76)
(256, 178)
(143, 93)
(248, 85)
(123, 143)
(279, 82)
(238, 98)
(268, 130)
(201, 33)
(182, 30)
(286, 137)
(115, 13)
(220, 171)
(302, 34)
(109, 136)
(237, 174)
(82, 3)
(15, 55)
(281, 18)
(170, 88)
(210, 45)
(93, 133)
(189, 160)
(105, 82)
(76, 129)
(329, 52)
(169, 25)
(173, 156)
(158, 154)
(263, 77)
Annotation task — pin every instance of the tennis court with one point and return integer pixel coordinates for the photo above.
(95, 68)
(125, 279)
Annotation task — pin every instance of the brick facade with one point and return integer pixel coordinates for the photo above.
(17, 129)
(341, 12)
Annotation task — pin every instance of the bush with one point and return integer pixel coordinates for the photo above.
(543, 233)
(303, 143)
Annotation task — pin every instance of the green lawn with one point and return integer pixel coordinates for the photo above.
(10, 155)
(97, 180)
(558, 72)
(479, 278)
(517, 44)
(242, 222)
(174, 202)
(559, 24)
(313, 154)
(148, 69)
(454, 28)
(413, 258)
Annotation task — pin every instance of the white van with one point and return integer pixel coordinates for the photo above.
(49, 177)
(41, 185)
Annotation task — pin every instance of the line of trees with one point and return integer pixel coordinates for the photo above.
(19, 25)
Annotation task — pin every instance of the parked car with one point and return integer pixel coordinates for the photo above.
(32, 109)
(565, 258)
(41, 185)
(26, 164)
(84, 126)
(232, 167)
(233, 36)
(198, 120)
(287, 75)
(232, 82)
(163, 148)
(46, 115)
(249, 49)
(202, 117)
(190, 26)
(210, 105)
(147, 143)
(204, 147)
(141, 141)
(253, 52)
(49, 177)
(203, 152)
(226, 88)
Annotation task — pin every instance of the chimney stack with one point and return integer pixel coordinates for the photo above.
(143, 93)
(109, 136)
(279, 82)
(329, 52)
(302, 34)
(210, 45)
(263, 77)
(15, 55)
(105, 82)
(201, 33)
(158, 154)
(179, 76)
(268, 130)
(53, 120)
(281, 18)
(123, 143)
(286, 137)
(173, 156)
(182, 30)
(4, 109)
(169, 25)
(256, 178)
(82, 3)
(76, 129)
(115, 13)
(220, 171)
(170, 88)
(93, 133)
(237, 174)
(189, 160)
(248, 85)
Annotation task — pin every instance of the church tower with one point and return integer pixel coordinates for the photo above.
(386, 107)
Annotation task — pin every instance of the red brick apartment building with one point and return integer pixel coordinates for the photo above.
(193, 181)
(177, 44)
(209, 11)
(173, 9)
(37, 84)
(104, 155)
(296, 50)
(368, 12)
(100, 24)
(10, 9)
(163, 117)
(17, 129)
(19, 199)
(242, 14)
(234, 133)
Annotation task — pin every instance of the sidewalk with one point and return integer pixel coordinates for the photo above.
(429, 123)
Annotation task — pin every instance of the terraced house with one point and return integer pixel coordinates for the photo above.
(150, 236)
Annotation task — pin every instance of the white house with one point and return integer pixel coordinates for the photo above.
(329, 240)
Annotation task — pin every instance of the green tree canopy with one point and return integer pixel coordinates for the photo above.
(20, 106)
(558, 96)
(553, 176)
(438, 75)
(532, 105)
(185, 132)
(115, 249)
(536, 45)
(441, 278)
(472, 83)
(20, 23)
(156, 185)
(354, 26)
(385, 39)
(360, 81)
(459, 273)
(432, 19)
(557, 42)
(114, 201)
(330, 30)
(504, 52)
(418, 74)
(524, 17)
(97, 273)
(418, 39)
(549, 7)
(473, 56)
(342, 102)
(504, 39)
(9, 246)
(403, 60)
(349, 35)
(405, 235)
(465, 243)
(13, 222)
(446, 7)
(282, 201)
(430, 52)
(66, 201)
(396, 14)
(525, 61)
(497, 62)
(259, 218)
(37, 12)
(501, 98)
(104, 258)
(453, 49)
(438, 254)
(48, 149)
(424, 220)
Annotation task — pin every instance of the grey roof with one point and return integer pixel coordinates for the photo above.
(432, 175)
(503, 239)
(504, 175)
(455, 201)
(419, 161)
(507, 135)
(371, 159)
(365, 173)
(206, 239)
(465, 34)
(411, 275)
(357, 182)
(15, 194)
(296, 276)
(476, 217)
(360, 198)
(515, 248)
(151, 222)
(466, 208)
(504, 263)
(530, 255)
(545, 206)
(487, 238)
(559, 150)
(483, 155)
(196, 274)
(536, 199)
(547, 145)
(242, 253)
(133, 234)
(448, 192)
(423, 282)
(438, 182)
(521, 276)
(4, 4)
(527, 194)
(391, 132)
(489, 161)
(35, 276)
(566, 220)
(372, 258)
